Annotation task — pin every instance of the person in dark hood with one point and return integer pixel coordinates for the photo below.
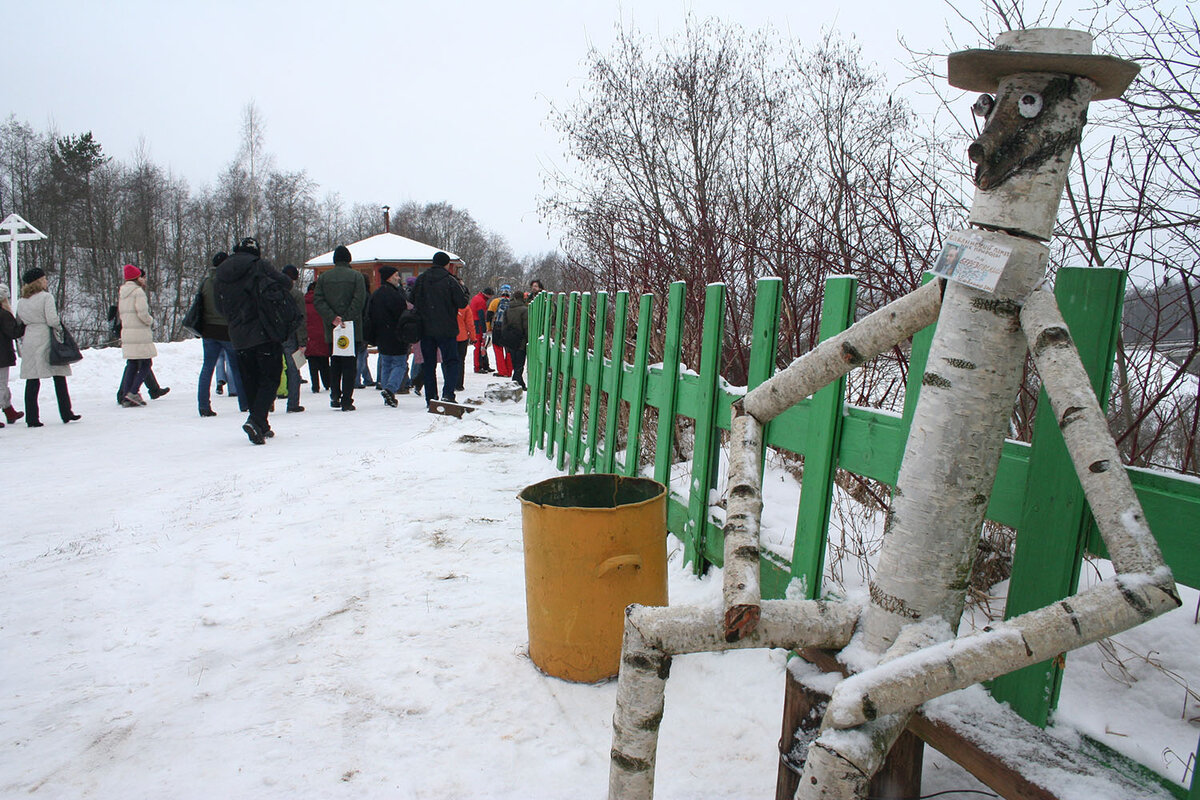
(438, 296)
(242, 284)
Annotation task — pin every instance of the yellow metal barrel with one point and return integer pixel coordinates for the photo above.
(593, 545)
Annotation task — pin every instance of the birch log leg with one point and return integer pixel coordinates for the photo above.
(654, 634)
(742, 590)
(834, 357)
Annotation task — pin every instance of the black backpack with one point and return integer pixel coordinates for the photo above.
(409, 328)
(277, 311)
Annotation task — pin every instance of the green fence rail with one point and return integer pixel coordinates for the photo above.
(577, 357)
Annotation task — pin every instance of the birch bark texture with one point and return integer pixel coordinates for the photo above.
(905, 634)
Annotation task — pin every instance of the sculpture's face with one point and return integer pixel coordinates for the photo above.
(1034, 118)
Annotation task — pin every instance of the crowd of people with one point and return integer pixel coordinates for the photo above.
(258, 330)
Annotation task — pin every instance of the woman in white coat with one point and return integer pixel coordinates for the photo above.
(137, 337)
(37, 310)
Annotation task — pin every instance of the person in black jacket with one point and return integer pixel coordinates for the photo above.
(10, 331)
(237, 286)
(438, 296)
(383, 312)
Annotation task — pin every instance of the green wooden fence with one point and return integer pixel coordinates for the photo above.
(576, 355)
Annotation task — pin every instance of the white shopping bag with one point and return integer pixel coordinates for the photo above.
(343, 340)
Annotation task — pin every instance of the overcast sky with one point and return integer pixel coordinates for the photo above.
(381, 102)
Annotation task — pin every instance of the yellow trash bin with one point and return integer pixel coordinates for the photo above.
(593, 545)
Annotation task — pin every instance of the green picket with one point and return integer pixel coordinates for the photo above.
(565, 362)
(554, 363)
(1052, 537)
(764, 343)
(595, 362)
(707, 442)
(822, 441)
(637, 384)
(668, 399)
(578, 371)
(614, 378)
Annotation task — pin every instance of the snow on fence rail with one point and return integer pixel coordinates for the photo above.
(1036, 491)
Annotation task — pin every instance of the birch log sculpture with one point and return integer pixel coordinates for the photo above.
(1044, 81)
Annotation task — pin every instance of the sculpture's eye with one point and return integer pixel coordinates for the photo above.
(983, 106)
(1030, 105)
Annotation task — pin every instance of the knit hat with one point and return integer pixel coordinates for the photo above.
(291, 271)
(411, 280)
(341, 254)
(219, 257)
(132, 272)
(387, 272)
(440, 259)
(248, 245)
(488, 292)
(505, 289)
(32, 275)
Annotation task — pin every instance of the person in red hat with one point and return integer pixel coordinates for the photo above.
(137, 335)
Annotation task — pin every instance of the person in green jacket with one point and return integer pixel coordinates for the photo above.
(341, 297)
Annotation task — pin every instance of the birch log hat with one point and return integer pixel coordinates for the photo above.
(1059, 50)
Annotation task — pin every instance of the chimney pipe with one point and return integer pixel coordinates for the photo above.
(387, 219)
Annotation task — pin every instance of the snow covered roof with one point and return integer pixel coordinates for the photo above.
(383, 248)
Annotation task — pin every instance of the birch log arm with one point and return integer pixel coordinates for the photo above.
(1106, 609)
(654, 635)
(742, 590)
(1097, 461)
(831, 359)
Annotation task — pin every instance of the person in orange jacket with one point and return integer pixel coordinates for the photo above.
(466, 335)
(479, 307)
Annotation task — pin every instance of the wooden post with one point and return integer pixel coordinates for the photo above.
(1052, 537)
(613, 383)
(640, 378)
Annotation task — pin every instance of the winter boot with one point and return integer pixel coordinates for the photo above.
(11, 415)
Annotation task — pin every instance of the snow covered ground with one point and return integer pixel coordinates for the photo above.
(340, 613)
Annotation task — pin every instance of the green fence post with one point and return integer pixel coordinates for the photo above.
(706, 440)
(613, 383)
(596, 362)
(565, 362)
(764, 344)
(1052, 536)
(533, 368)
(639, 380)
(669, 388)
(918, 356)
(554, 363)
(821, 445)
(578, 375)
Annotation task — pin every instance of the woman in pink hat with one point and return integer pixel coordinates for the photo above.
(137, 337)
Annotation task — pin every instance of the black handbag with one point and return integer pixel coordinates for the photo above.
(63, 349)
(193, 321)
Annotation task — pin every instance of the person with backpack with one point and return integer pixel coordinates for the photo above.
(341, 297)
(438, 296)
(216, 346)
(255, 299)
(495, 319)
(295, 342)
(10, 331)
(515, 332)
